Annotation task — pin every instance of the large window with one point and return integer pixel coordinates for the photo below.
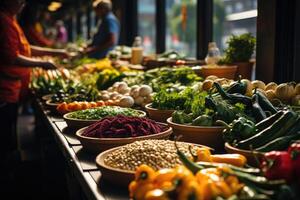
(233, 17)
(146, 25)
(181, 26)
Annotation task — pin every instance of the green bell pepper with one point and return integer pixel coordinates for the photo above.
(203, 120)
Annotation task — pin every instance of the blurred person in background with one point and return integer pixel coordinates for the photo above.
(29, 21)
(62, 33)
(107, 35)
(15, 68)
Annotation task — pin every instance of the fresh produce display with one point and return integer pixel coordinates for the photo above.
(204, 180)
(64, 107)
(172, 78)
(50, 81)
(121, 94)
(260, 120)
(105, 111)
(123, 126)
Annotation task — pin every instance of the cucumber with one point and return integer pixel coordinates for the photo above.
(265, 103)
(279, 127)
(295, 128)
(281, 143)
(268, 121)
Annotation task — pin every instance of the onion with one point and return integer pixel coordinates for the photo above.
(145, 90)
(285, 91)
(258, 84)
(271, 86)
(105, 97)
(126, 101)
(122, 86)
(270, 94)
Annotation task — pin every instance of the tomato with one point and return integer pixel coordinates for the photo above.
(84, 105)
(77, 105)
(100, 103)
(93, 104)
(62, 108)
(71, 106)
(110, 103)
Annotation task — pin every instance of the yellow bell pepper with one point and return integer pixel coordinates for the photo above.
(203, 154)
(144, 174)
(233, 159)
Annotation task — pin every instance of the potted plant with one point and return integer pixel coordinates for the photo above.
(239, 51)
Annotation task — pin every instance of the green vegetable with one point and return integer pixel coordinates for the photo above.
(105, 111)
(239, 129)
(268, 121)
(234, 98)
(203, 120)
(281, 143)
(180, 117)
(237, 87)
(279, 127)
(265, 104)
(257, 111)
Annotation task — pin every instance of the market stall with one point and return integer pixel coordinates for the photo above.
(168, 131)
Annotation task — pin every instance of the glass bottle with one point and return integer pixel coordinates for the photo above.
(213, 54)
(137, 51)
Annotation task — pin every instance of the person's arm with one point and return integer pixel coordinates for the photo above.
(42, 51)
(110, 41)
(24, 61)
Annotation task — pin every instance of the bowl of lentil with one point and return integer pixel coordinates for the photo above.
(94, 139)
(118, 165)
(83, 118)
(205, 135)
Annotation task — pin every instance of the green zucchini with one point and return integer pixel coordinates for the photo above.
(295, 128)
(279, 144)
(265, 103)
(266, 135)
(268, 121)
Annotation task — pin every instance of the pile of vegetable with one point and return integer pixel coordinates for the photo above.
(50, 81)
(105, 111)
(273, 133)
(172, 78)
(123, 127)
(205, 180)
(121, 94)
(188, 99)
(64, 107)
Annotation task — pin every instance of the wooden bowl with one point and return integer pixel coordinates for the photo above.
(204, 135)
(251, 156)
(80, 123)
(52, 106)
(113, 175)
(96, 145)
(158, 115)
(221, 71)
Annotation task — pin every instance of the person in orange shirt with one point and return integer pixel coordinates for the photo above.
(15, 65)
